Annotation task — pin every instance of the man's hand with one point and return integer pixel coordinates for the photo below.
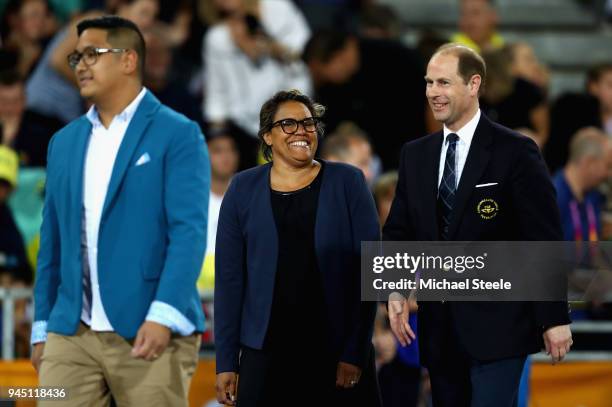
(226, 388)
(37, 352)
(399, 311)
(347, 375)
(558, 341)
(151, 341)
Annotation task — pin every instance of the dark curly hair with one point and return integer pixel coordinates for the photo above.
(270, 107)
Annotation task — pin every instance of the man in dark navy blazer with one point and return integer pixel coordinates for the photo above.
(474, 351)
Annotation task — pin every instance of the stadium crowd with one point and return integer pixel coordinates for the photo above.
(217, 61)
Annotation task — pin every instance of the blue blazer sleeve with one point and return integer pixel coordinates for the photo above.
(48, 263)
(365, 227)
(187, 185)
(229, 281)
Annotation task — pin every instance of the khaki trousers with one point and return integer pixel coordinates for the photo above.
(93, 366)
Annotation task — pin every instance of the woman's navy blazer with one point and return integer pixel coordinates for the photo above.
(246, 262)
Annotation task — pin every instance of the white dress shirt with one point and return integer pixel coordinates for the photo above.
(214, 208)
(466, 134)
(99, 162)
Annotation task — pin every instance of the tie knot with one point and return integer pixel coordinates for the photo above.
(452, 138)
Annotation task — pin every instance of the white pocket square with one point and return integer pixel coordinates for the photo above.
(145, 158)
(490, 184)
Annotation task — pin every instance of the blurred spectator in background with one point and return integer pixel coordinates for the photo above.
(573, 111)
(224, 161)
(350, 145)
(579, 202)
(51, 89)
(478, 21)
(251, 51)
(524, 64)
(159, 77)
(14, 266)
(175, 18)
(385, 345)
(581, 206)
(15, 271)
(27, 26)
(64, 10)
(380, 21)
(184, 18)
(384, 192)
(326, 14)
(25, 131)
(355, 80)
(429, 41)
(513, 101)
(399, 373)
(601, 88)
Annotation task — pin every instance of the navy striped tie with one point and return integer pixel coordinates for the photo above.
(447, 189)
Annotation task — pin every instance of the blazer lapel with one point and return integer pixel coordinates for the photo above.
(429, 187)
(323, 216)
(261, 209)
(78, 164)
(475, 164)
(141, 120)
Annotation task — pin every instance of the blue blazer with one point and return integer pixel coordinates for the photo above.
(152, 233)
(247, 253)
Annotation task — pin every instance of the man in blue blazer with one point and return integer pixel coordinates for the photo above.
(117, 312)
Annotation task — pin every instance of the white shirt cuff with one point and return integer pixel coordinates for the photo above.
(39, 332)
(169, 316)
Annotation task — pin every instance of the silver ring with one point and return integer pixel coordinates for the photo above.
(353, 382)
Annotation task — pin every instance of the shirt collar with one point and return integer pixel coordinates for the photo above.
(125, 116)
(466, 133)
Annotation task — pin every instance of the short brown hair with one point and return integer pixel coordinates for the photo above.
(469, 63)
(270, 107)
(339, 143)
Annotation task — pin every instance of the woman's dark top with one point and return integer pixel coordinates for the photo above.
(298, 317)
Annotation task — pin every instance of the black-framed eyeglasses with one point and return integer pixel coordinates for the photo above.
(290, 126)
(90, 55)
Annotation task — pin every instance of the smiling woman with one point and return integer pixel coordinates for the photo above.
(284, 110)
(288, 258)
(290, 128)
